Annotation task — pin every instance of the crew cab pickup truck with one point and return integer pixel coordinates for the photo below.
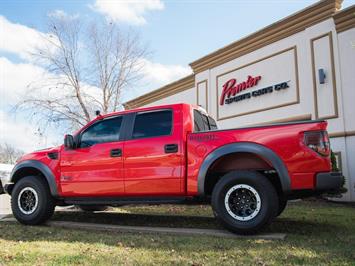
(176, 154)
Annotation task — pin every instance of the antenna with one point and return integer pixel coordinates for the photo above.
(97, 112)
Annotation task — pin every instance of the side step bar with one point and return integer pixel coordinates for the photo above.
(126, 200)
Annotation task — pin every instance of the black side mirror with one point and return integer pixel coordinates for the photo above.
(69, 142)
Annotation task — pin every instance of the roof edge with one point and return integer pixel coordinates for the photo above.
(345, 19)
(283, 28)
(180, 85)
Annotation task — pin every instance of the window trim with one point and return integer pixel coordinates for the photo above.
(120, 138)
(133, 120)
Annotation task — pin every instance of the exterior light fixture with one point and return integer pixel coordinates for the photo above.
(321, 75)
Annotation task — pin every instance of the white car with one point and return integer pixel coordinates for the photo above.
(5, 171)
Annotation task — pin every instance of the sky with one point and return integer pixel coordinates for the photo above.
(176, 33)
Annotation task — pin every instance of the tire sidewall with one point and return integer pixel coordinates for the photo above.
(269, 203)
(43, 199)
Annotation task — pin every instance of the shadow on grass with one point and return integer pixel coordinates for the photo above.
(280, 225)
(138, 219)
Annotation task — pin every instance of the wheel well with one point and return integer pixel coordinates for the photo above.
(26, 171)
(240, 161)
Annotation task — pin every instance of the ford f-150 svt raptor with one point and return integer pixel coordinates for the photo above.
(176, 154)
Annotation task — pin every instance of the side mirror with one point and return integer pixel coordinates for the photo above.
(69, 142)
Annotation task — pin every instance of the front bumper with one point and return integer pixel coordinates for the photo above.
(329, 181)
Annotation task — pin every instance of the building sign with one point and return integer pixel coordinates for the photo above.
(275, 84)
(231, 88)
(231, 91)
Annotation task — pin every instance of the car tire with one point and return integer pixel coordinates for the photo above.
(244, 201)
(31, 201)
(92, 208)
(282, 206)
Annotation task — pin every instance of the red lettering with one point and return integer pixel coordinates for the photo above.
(230, 88)
(227, 90)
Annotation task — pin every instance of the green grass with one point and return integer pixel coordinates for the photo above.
(318, 233)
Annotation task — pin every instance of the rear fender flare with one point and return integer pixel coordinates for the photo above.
(257, 149)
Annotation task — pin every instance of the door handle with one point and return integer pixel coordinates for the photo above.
(171, 148)
(116, 153)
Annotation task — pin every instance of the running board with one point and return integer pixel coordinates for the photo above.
(126, 200)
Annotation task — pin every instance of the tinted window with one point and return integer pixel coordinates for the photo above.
(198, 120)
(203, 122)
(212, 123)
(107, 130)
(152, 124)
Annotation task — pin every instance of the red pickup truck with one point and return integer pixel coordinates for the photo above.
(176, 154)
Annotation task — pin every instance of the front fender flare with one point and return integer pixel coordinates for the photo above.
(257, 149)
(44, 169)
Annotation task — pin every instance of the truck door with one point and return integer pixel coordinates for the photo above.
(95, 167)
(153, 156)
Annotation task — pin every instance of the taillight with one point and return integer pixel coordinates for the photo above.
(318, 141)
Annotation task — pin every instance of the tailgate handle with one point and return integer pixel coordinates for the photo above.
(171, 148)
(116, 153)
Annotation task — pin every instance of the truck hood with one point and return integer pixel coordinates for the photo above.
(36, 155)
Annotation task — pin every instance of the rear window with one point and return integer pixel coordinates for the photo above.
(203, 122)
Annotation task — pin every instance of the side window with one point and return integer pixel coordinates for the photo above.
(212, 122)
(198, 121)
(107, 130)
(152, 124)
(203, 122)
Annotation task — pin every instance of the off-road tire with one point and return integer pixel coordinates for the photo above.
(45, 206)
(92, 208)
(282, 205)
(261, 185)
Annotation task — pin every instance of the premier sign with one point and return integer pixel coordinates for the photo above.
(231, 91)
(231, 88)
(268, 83)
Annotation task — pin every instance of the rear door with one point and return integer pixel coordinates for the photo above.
(153, 156)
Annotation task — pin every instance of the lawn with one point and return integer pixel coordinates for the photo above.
(318, 233)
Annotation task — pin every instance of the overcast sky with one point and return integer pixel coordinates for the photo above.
(177, 33)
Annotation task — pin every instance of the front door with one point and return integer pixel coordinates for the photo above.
(95, 167)
(153, 156)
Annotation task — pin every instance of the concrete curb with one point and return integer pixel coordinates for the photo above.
(6, 218)
(162, 230)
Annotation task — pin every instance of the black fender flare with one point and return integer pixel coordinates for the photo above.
(257, 149)
(44, 169)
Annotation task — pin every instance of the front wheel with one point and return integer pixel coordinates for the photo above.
(31, 201)
(244, 201)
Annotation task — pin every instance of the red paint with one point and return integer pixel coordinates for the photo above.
(146, 170)
(92, 171)
(231, 88)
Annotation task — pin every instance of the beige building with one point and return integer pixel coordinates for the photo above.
(299, 68)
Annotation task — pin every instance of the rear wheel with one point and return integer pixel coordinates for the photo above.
(92, 208)
(282, 205)
(244, 201)
(31, 201)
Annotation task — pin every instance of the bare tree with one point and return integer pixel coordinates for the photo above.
(9, 154)
(89, 67)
